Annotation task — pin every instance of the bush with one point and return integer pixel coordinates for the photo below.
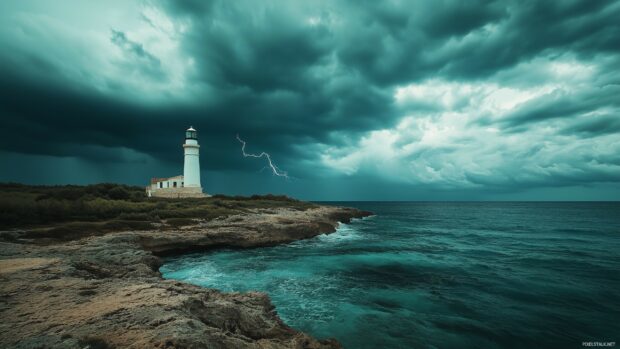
(271, 197)
(22, 205)
(119, 193)
(135, 216)
(179, 222)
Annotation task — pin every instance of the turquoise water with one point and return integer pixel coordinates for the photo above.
(445, 275)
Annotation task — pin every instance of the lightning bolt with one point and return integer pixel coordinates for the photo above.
(274, 169)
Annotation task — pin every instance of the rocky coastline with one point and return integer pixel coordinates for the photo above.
(106, 291)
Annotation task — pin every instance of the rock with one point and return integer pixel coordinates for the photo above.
(106, 291)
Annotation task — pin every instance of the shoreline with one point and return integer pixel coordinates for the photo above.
(106, 291)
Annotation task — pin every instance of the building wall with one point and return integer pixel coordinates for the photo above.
(168, 183)
(179, 192)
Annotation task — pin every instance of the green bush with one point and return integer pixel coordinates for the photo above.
(271, 197)
(135, 216)
(179, 222)
(22, 205)
(119, 193)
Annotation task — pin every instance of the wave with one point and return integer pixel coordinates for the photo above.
(344, 232)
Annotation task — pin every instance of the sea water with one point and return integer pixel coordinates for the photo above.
(440, 274)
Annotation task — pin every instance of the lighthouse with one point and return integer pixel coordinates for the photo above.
(188, 184)
(191, 167)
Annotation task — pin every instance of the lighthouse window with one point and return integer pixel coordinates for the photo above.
(174, 184)
(161, 184)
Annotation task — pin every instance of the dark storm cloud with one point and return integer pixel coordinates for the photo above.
(558, 104)
(296, 78)
(278, 72)
(595, 126)
(266, 72)
(472, 39)
(70, 122)
(64, 118)
(266, 52)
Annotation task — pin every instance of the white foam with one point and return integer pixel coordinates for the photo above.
(344, 232)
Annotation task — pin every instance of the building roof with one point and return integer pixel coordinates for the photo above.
(155, 180)
(191, 128)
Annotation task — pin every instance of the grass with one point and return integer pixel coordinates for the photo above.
(106, 207)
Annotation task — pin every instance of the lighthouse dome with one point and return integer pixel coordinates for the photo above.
(191, 133)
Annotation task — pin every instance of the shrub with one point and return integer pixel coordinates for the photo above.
(179, 222)
(22, 205)
(119, 193)
(271, 197)
(135, 216)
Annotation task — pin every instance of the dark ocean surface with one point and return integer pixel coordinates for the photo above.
(440, 274)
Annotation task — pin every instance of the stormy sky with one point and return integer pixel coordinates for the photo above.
(357, 100)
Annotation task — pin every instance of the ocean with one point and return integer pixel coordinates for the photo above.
(440, 275)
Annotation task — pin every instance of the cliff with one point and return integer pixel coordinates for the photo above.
(105, 291)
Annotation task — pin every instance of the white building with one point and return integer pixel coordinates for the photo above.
(188, 184)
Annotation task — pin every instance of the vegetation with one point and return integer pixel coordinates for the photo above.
(179, 222)
(105, 207)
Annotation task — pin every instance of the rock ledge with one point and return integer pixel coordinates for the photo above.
(106, 291)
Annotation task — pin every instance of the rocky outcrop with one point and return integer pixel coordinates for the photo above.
(106, 291)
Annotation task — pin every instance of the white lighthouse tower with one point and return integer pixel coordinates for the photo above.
(186, 185)
(191, 167)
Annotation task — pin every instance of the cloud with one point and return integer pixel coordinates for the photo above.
(594, 124)
(475, 40)
(456, 137)
(475, 96)
(146, 62)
